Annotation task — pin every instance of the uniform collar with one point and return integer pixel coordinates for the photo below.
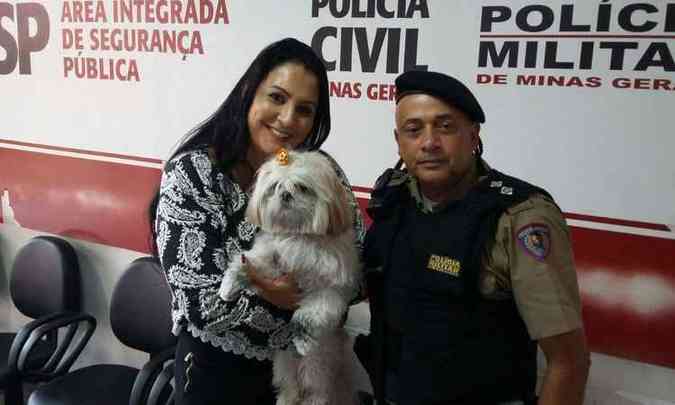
(427, 206)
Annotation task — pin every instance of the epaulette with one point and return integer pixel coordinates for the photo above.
(387, 192)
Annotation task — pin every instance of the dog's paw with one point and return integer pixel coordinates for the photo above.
(232, 283)
(227, 291)
(304, 344)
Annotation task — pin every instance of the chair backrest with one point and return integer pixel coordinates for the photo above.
(140, 308)
(45, 277)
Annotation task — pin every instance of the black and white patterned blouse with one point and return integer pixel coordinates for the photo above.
(200, 225)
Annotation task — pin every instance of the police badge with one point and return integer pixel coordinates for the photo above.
(535, 239)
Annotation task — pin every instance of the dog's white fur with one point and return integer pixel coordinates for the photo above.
(306, 227)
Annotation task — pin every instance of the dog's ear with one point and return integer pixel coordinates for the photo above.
(253, 213)
(340, 210)
(320, 224)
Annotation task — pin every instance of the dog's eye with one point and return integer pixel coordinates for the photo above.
(271, 189)
(303, 189)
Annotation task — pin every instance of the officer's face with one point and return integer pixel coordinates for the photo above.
(435, 140)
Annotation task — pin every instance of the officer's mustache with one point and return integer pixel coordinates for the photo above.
(433, 158)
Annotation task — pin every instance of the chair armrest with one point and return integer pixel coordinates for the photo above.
(154, 377)
(67, 350)
(165, 379)
(22, 336)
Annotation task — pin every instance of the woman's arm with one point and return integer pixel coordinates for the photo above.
(190, 237)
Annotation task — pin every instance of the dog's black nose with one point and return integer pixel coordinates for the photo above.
(286, 196)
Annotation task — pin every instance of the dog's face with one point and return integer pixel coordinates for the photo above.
(304, 196)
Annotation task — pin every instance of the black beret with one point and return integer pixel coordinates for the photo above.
(442, 86)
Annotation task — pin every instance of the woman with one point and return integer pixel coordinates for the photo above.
(224, 349)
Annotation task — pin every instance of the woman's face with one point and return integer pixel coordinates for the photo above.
(283, 110)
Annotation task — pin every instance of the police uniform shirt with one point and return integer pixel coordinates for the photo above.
(532, 262)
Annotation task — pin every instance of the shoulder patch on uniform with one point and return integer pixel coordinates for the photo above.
(535, 239)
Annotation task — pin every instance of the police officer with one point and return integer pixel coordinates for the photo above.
(468, 268)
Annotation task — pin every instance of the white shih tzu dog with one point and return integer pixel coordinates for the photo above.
(307, 230)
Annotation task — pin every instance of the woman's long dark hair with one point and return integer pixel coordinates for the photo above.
(226, 131)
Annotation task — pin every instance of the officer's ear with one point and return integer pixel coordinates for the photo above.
(475, 135)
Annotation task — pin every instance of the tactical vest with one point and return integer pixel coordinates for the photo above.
(431, 327)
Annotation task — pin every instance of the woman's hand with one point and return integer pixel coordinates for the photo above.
(281, 291)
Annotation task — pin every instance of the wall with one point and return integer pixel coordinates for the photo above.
(578, 98)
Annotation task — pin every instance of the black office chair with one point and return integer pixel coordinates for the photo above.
(154, 383)
(140, 318)
(44, 285)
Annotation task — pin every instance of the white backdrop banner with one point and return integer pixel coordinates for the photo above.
(578, 95)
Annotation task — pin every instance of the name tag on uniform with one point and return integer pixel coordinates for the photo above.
(445, 265)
